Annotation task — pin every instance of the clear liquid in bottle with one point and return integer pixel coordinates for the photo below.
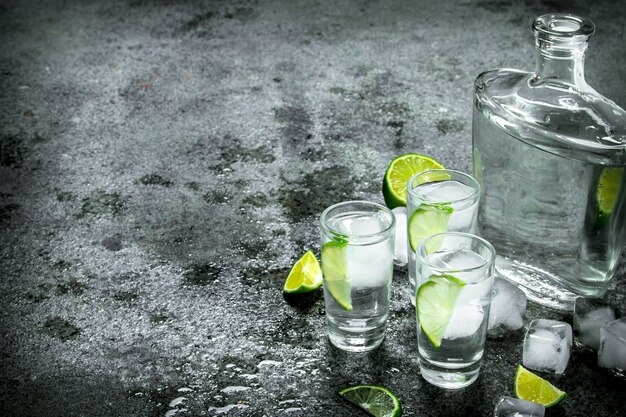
(549, 152)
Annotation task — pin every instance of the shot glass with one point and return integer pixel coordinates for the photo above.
(358, 240)
(455, 277)
(438, 200)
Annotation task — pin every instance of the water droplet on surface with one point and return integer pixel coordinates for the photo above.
(268, 362)
(177, 401)
(234, 388)
(227, 408)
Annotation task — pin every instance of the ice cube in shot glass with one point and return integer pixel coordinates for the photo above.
(508, 305)
(547, 346)
(514, 407)
(590, 315)
(400, 252)
(612, 352)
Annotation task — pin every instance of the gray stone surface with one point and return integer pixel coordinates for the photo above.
(162, 165)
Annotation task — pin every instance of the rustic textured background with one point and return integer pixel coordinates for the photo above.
(162, 165)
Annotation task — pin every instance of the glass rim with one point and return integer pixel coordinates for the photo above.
(486, 263)
(476, 189)
(379, 207)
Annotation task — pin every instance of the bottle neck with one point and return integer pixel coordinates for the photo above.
(562, 60)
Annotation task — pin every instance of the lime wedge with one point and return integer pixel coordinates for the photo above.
(435, 303)
(531, 387)
(305, 275)
(399, 171)
(608, 190)
(334, 268)
(427, 220)
(376, 400)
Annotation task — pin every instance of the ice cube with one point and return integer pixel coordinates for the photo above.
(455, 193)
(369, 265)
(547, 346)
(361, 225)
(589, 316)
(508, 305)
(612, 352)
(469, 313)
(400, 254)
(514, 407)
(444, 191)
(459, 259)
(463, 218)
(465, 321)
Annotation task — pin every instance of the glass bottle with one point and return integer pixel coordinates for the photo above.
(549, 152)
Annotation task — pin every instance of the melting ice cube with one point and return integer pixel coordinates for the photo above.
(468, 314)
(400, 254)
(547, 346)
(369, 265)
(612, 352)
(444, 191)
(463, 218)
(360, 225)
(465, 321)
(460, 259)
(589, 316)
(508, 305)
(455, 193)
(514, 407)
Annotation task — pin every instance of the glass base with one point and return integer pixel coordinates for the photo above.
(449, 378)
(540, 286)
(356, 341)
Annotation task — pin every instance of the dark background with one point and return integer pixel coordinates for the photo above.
(163, 164)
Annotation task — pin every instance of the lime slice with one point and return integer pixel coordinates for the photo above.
(399, 171)
(435, 302)
(305, 275)
(446, 277)
(427, 220)
(334, 268)
(376, 400)
(608, 190)
(430, 177)
(531, 387)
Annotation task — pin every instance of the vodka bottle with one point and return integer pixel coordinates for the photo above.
(549, 152)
